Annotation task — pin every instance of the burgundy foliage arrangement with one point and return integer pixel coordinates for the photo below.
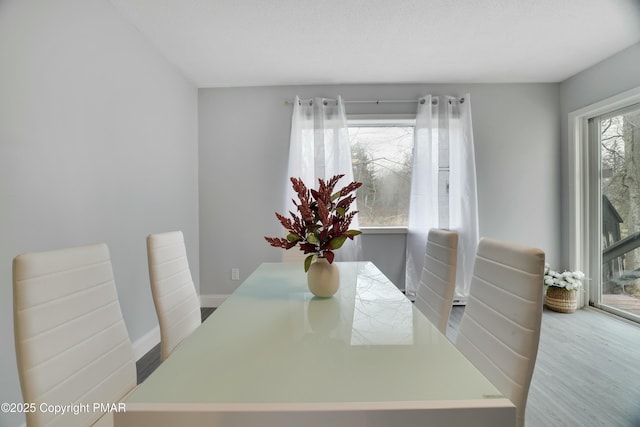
(322, 223)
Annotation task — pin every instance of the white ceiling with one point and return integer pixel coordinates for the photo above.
(224, 43)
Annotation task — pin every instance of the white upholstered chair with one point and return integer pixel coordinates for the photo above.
(500, 328)
(72, 344)
(174, 294)
(434, 296)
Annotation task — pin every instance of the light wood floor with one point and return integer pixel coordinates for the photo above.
(587, 371)
(627, 303)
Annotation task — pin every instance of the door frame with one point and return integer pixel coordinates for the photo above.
(584, 239)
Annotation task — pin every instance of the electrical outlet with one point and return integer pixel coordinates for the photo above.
(235, 274)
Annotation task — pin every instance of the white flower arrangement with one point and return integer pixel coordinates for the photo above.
(569, 280)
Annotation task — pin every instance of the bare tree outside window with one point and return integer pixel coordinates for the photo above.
(382, 160)
(620, 174)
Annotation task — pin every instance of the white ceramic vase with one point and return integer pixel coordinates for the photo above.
(323, 278)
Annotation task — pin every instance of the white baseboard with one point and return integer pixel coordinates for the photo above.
(149, 340)
(212, 300)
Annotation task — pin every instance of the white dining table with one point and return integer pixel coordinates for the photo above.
(274, 355)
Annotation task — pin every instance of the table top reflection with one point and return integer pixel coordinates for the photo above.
(272, 346)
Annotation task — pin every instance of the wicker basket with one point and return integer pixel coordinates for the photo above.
(560, 299)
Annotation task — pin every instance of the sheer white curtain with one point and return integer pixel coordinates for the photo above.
(319, 149)
(443, 186)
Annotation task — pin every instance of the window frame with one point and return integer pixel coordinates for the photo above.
(382, 120)
(583, 172)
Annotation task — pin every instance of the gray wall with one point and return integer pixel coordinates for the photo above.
(244, 139)
(617, 74)
(98, 143)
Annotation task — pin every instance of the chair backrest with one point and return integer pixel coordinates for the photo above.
(500, 328)
(174, 294)
(434, 296)
(72, 344)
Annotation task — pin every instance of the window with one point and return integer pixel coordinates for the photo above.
(381, 151)
(602, 228)
(615, 140)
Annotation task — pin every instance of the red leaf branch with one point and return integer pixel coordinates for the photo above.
(321, 224)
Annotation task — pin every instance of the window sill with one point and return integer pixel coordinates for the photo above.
(384, 230)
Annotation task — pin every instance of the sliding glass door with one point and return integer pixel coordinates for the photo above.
(615, 144)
